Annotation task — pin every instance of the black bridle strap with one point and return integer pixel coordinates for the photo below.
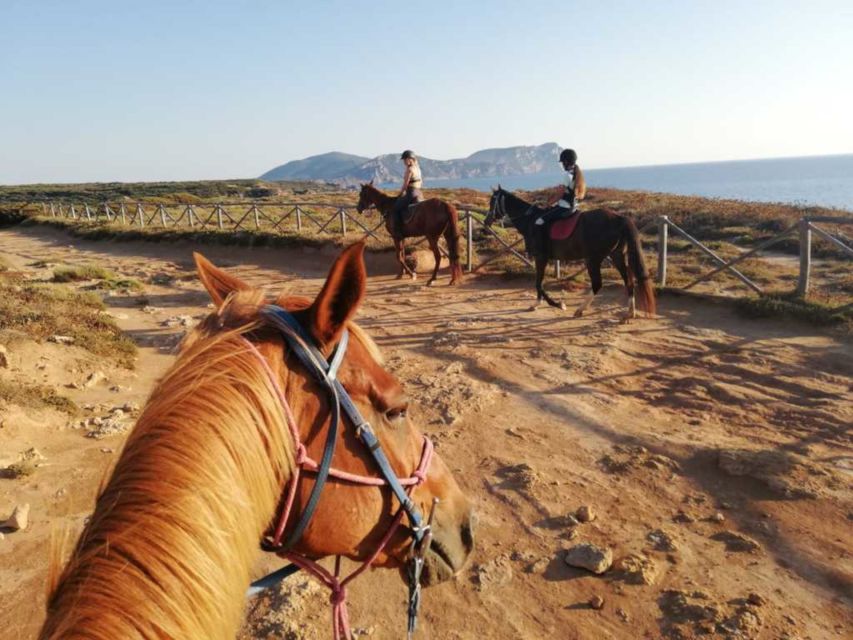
(326, 372)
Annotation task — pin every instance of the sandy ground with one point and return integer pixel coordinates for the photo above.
(714, 452)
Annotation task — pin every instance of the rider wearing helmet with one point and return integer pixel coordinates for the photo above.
(410, 192)
(565, 205)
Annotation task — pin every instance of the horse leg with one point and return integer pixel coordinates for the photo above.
(541, 265)
(593, 268)
(433, 244)
(540, 276)
(618, 258)
(401, 258)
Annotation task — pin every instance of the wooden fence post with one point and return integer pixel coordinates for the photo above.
(140, 212)
(52, 211)
(191, 215)
(558, 273)
(805, 257)
(123, 213)
(73, 212)
(162, 215)
(469, 241)
(219, 214)
(257, 219)
(298, 218)
(663, 230)
(343, 216)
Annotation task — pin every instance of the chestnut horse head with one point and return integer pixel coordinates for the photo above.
(176, 529)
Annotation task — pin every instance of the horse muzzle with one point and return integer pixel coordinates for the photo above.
(451, 546)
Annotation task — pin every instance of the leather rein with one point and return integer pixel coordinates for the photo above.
(325, 372)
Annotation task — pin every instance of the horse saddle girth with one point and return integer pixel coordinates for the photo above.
(563, 228)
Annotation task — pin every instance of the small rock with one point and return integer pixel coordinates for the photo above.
(683, 517)
(572, 521)
(61, 339)
(596, 602)
(94, 378)
(585, 514)
(637, 569)
(590, 557)
(661, 540)
(623, 615)
(18, 520)
(756, 599)
(737, 541)
(717, 517)
(106, 450)
(537, 567)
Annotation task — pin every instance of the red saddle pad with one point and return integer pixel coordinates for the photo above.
(564, 227)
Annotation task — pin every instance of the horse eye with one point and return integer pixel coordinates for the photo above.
(396, 413)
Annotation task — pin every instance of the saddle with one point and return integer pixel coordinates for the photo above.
(564, 227)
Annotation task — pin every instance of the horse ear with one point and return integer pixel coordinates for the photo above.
(370, 183)
(338, 301)
(218, 283)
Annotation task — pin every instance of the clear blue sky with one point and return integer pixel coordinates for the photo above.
(98, 91)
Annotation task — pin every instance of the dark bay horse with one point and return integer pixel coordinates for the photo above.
(432, 219)
(599, 233)
(176, 529)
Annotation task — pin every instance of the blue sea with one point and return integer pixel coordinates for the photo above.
(819, 180)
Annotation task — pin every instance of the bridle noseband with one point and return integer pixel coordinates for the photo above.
(326, 372)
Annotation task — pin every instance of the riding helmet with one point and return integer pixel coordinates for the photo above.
(408, 153)
(568, 156)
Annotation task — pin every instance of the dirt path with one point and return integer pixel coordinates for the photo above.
(714, 451)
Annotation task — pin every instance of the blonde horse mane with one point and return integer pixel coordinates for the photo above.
(168, 550)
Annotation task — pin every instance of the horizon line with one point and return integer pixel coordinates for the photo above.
(556, 172)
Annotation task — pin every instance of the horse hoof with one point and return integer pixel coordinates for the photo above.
(579, 313)
(562, 306)
(625, 320)
(429, 282)
(399, 277)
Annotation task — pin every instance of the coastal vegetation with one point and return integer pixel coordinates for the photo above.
(728, 227)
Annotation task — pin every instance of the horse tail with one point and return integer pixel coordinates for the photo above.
(452, 237)
(637, 267)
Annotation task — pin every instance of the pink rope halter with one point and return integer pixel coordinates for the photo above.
(302, 462)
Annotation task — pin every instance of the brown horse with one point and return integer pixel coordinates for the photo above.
(431, 219)
(599, 233)
(168, 550)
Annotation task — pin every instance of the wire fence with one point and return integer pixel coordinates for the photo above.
(341, 219)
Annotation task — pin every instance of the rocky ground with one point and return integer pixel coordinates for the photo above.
(686, 477)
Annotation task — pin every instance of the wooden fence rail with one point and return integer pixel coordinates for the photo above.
(325, 217)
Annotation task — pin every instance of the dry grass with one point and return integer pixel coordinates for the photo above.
(44, 310)
(105, 278)
(35, 397)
